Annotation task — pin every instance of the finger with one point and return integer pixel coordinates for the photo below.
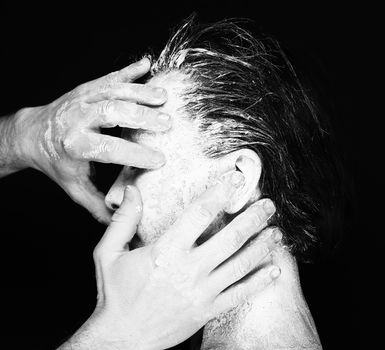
(128, 74)
(111, 113)
(231, 238)
(85, 194)
(123, 223)
(108, 149)
(134, 71)
(247, 260)
(203, 211)
(240, 293)
(138, 93)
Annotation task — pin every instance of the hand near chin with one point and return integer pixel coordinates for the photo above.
(157, 296)
(61, 138)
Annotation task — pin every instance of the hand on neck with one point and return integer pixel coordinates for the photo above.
(276, 318)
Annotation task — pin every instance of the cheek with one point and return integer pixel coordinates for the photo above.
(163, 197)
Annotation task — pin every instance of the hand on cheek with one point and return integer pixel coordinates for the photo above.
(159, 295)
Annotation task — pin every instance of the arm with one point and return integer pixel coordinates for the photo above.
(61, 138)
(156, 296)
(11, 157)
(276, 318)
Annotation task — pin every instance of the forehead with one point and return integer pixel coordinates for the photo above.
(181, 141)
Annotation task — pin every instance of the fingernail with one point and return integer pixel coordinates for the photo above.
(277, 235)
(159, 92)
(269, 207)
(266, 233)
(164, 117)
(237, 179)
(204, 214)
(128, 193)
(158, 158)
(275, 272)
(143, 61)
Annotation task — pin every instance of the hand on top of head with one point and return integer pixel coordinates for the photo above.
(64, 136)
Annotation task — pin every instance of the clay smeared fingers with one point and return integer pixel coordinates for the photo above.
(111, 113)
(108, 149)
(198, 216)
(232, 237)
(137, 93)
(126, 75)
(241, 292)
(245, 261)
(134, 71)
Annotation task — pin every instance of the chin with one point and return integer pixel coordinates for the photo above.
(149, 231)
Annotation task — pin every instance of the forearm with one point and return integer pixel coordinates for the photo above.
(86, 339)
(12, 156)
(95, 335)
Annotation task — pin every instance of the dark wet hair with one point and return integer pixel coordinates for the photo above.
(245, 94)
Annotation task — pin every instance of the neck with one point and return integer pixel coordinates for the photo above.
(277, 318)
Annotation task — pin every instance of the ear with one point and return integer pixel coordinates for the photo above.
(249, 164)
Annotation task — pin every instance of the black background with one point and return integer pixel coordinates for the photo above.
(47, 241)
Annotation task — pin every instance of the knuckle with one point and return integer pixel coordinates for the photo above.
(237, 239)
(242, 268)
(98, 253)
(237, 297)
(112, 147)
(105, 89)
(132, 69)
(261, 249)
(200, 215)
(111, 77)
(80, 89)
(141, 112)
(105, 108)
(257, 216)
(69, 145)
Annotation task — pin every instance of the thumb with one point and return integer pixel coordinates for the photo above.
(124, 222)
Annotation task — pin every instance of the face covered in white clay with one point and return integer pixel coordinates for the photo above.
(187, 173)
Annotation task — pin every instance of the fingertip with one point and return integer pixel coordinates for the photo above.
(133, 198)
(135, 70)
(158, 96)
(128, 193)
(128, 197)
(277, 235)
(145, 61)
(104, 219)
(157, 160)
(275, 272)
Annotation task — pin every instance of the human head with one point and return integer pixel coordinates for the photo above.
(236, 103)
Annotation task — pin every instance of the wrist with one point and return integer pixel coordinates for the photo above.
(12, 155)
(26, 136)
(98, 333)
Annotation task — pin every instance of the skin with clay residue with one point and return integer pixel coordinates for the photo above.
(167, 191)
(164, 191)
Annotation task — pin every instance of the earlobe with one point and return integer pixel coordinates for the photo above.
(249, 164)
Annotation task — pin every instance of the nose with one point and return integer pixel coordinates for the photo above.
(114, 197)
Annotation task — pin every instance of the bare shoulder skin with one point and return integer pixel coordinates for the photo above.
(277, 318)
